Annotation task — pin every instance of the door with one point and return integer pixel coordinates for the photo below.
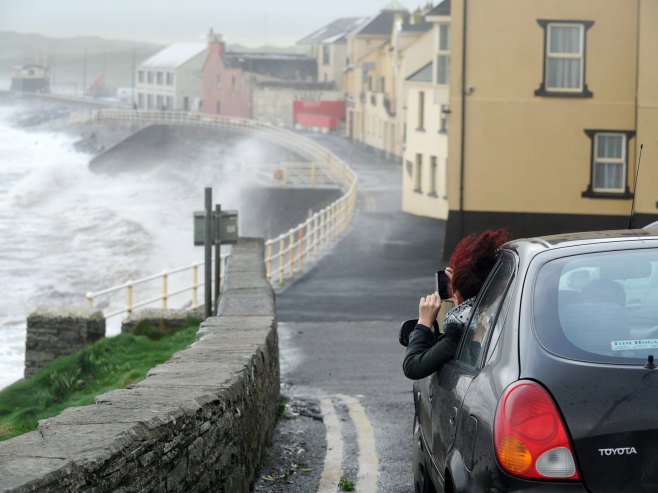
(449, 386)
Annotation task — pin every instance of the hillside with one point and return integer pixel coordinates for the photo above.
(66, 57)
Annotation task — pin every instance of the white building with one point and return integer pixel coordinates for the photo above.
(171, 79)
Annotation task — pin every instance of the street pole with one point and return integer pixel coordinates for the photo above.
(208, 253)
(84, 74)
(218, 256)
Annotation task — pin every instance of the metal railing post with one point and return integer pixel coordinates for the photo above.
(164, 289)
(300, 247)
(291, 254)
(195, 284)
(281, 248)
(268, 260)
(129, 297)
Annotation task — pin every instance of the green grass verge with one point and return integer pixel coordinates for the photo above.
(75, 380)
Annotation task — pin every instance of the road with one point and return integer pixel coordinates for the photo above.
(340, 356)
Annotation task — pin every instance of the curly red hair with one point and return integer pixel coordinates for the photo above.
(473, 259)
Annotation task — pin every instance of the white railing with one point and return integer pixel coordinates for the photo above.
(286, 255)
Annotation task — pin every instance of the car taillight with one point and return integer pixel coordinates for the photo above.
(530, 438)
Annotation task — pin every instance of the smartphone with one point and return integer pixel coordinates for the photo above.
(443, 285)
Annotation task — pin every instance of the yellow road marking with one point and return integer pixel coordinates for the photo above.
(366, 479)
(333, 461)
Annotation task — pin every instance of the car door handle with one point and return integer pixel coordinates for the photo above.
(453, 417)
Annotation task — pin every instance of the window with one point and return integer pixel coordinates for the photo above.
(382, 84)
(140, 76)
(410, 168)
(170, 79)
(443, 57)
(609, 164)
(159, 102)
(421, 110)
(149, 77)
(170, 102)
(140, 100)
(233, 83)
(149, 101)
(433, 166)
(443, 119)
(325, 54)
(419, 173)
(599, 306)
(485, 312)
(219, 108)
(218, 81)
(159, 78)
(564, 59)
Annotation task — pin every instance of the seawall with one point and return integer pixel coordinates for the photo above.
(199, 422)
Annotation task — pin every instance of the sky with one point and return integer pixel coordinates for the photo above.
(248, 22)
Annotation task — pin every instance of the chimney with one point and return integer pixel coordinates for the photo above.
(215, 43)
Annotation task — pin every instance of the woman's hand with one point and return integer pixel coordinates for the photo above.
(428, 309)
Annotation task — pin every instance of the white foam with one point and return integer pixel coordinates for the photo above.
(65, 231)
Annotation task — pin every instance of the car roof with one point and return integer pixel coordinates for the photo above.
(542, 243)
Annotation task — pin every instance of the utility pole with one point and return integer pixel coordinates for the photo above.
(208, 253)
(133, 95)
(84, 74)
(218, 256)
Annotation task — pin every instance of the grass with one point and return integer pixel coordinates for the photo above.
(346, 484)
(75, 380)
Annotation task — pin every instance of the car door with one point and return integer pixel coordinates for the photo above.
(449, 386)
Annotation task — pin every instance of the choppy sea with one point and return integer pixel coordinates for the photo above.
(65, 231)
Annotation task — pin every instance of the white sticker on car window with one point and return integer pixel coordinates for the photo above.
(634, 344)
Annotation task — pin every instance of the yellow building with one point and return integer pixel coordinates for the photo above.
(549, 103)
(426, 97)
(328, 45)
(370, 81)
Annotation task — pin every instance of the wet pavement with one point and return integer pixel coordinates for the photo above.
(338, 329)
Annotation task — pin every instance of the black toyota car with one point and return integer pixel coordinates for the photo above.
(554, 385)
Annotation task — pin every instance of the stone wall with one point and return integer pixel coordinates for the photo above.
(199, 422)
(53, 332)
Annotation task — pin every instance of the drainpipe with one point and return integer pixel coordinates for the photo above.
(463, 124)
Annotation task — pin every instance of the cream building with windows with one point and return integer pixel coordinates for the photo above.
(426, 95)
(171, 79)
(550, 101)
(328, 45)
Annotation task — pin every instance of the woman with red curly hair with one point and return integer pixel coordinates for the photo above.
(470, 264)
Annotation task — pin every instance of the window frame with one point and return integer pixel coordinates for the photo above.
(443, 52)
(418, 173)
(624, 191)
(509, 259)
(434, 164)
(421, 111)
(583, 91)
(326, 54)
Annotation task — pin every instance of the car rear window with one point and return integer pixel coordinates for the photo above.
(599, 307)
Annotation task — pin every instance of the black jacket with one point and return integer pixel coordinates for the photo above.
(427, 353)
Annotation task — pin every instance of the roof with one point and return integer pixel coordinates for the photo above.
(285, 66)
(382, 23)
(421, 27)
(441, 9)
(582, 238)
(424, 74)
(175, 55)
(335, 32)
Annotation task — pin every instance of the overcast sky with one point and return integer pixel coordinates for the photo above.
(249, 22)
